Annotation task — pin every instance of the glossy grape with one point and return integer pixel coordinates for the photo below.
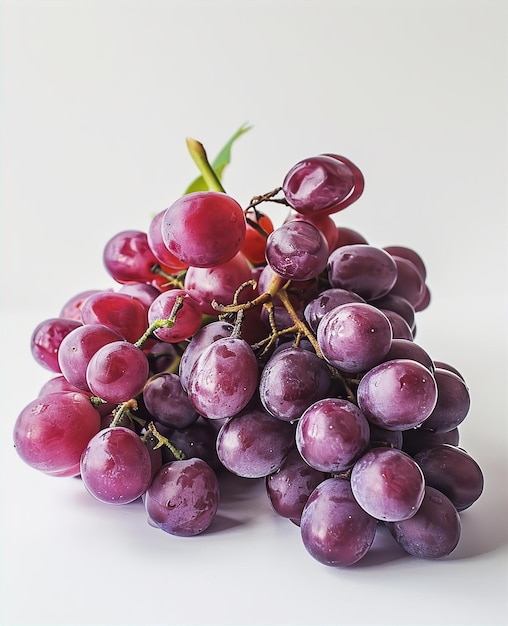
(204, 229)
(327, 300)
(118, 311)
(223, 378)
(128, 257)
(332, 434)
(186, 321)
(167, 402)
(368, 271)
(397, 395)
(290, 486)
(335, 530)
(297, 250)
(388, 484)
(116, 467)
(183, 497)
(453, 402)
(291, 381)
(433, 532)
(52, 431)
(454, 472)
(253, 443)
(117, 372)
(46, 339)
(354, 337)
(78, 347)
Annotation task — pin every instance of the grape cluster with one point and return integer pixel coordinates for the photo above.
(283, 354)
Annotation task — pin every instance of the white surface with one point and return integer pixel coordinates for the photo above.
(97, 99)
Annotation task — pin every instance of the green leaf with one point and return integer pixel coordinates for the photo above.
(221, 161)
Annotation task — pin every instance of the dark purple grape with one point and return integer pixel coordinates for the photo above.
(253, 444)
(332, 434)
(410, 255)
(452, 471)
(453, 402)
(354, 337)
(116, 467)
(446, 366)
(162, 356)
(400, 328)
(223, 378)
(183, 497)
(382, 437)
(297, 250)
(388, 484)
(397, 304)
(407, 349)
(167, 401)
(197, 441)
(317, 183)
(366, 270)
(397, 395)
(417, 439)
(292, 380)
(409, 284)
(290, 486)
(335, 530)
(433, 532)
(327, 300)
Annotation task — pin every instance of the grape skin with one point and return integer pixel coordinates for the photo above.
(253, 443)
(183, 497)
(291, 381)
(388, 484)
(335, 530)
(433, 532)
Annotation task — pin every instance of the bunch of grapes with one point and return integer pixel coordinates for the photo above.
(282, 354)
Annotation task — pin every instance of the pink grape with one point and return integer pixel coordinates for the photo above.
(117, 372)
(46, 339)
(119, 311)
(52, 431)
(128, 257)
(204, 228)
(188, 317)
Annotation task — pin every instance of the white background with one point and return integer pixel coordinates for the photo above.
(97, 99)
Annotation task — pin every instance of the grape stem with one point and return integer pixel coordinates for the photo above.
(164, 441)
(161, 323)
(172, 280)
(123, 409)
(198, 154)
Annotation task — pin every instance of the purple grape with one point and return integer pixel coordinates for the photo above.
(297, 250)
(253, 444)
(183, 497)
(198, 440)
(223, 378)
(78, 347)
(388, 484)
(446, 366)
(354, 337)
(382, 437)
(197, 345)
(397, 304)
(366, 270)
(410, 255)
(397, 395)
(52, 431)
(162, 356)
(409, 284)
(453, 472)
(433, 532)
(46, 339)
(117, 372)
(407, 349)
(453, 402)
(335, 530)
(327, 300)
(290, 486)
(167, 402)
(317, 183)
(417, 439)
(116, 467)
(188, 317)
(400, 328)
(332, 434)
(292, 380)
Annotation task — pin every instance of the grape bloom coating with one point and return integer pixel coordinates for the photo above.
(284, 354)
